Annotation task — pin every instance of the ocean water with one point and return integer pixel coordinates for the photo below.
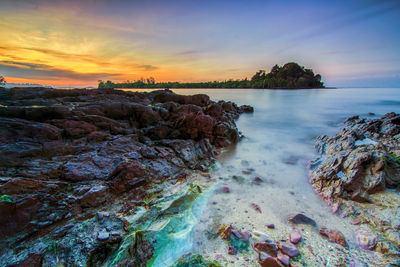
(278, 144)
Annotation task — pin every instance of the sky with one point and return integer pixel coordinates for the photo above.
(77, 43)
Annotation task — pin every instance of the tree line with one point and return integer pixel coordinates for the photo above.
(290, 75)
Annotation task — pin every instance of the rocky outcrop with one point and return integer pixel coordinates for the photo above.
(74, 162)
(358, 174)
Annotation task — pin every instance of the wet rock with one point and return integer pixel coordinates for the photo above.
(295, 236)
(333, 236)
(288, 249)
(66, 153)
(246, 109)
(301, 218)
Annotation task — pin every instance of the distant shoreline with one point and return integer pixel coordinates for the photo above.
(161, 88)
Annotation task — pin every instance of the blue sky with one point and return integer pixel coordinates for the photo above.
(350, 43)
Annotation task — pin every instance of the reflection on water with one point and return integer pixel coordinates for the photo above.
(278, 144)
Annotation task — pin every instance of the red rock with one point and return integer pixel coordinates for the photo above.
(271, 226)
(333, 236)
(127, 175)
(97, 136)
(285, 259)
(269, 248)
(94, 197)
(288, 249)
(295, 236)
(232, 250)
(267, 260)
(226, 189)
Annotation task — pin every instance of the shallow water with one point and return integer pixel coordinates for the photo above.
(278, 144)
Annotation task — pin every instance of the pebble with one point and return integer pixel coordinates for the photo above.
(288, 249)
(295, 236)
(232, 250)
(226, 189)
(271, 226)
(285, 259)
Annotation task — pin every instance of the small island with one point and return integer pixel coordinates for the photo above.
(289, 76)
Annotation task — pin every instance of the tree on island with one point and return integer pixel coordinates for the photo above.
(290, 75)
(2, 80)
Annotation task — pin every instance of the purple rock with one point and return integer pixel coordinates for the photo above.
(295, 236)
(288, 249)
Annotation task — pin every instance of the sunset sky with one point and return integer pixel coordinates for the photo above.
(76, 43)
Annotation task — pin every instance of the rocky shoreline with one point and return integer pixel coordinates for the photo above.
(358, 175)
(114, 178)
(87, 175)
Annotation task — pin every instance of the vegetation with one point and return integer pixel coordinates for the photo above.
(2, 80)
(291, 75)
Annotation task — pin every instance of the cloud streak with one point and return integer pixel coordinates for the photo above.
(44, 72)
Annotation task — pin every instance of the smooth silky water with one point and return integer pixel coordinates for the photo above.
(278, 144)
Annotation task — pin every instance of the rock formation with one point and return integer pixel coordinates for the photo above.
(75, 164)
(358, 174)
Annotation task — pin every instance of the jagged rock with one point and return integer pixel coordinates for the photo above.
(67, 154)
(356, 168)
(94, 197)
